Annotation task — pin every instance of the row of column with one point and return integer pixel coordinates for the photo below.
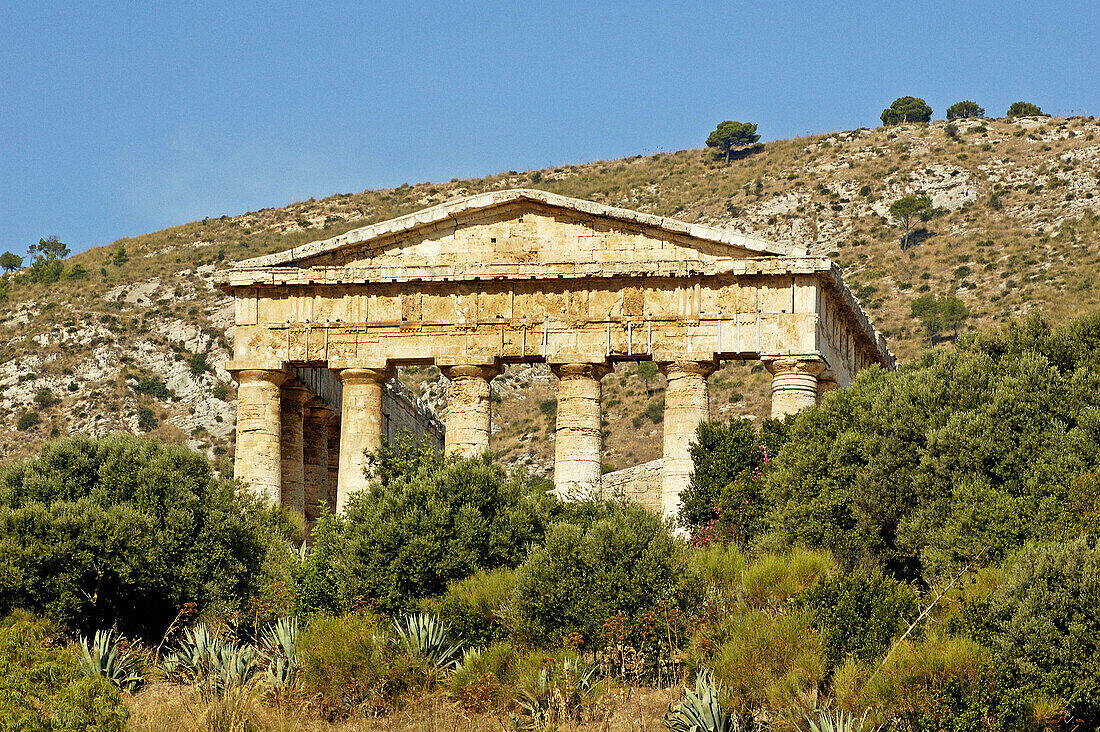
(292, 449)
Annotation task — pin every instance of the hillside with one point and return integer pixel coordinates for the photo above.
(138, 341)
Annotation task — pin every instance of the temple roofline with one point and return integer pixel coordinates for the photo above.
(493, 199)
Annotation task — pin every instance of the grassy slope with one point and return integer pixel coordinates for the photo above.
(1018, 230)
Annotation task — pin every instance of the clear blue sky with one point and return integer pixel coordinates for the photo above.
(121, 118)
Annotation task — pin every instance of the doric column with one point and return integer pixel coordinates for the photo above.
(256, 458)
(794, 383)
(333, 460)
(468, 409)
(577, 438)
(360, 427)
(825, 383)
(294, 397)
(687, 403)
(315, 456)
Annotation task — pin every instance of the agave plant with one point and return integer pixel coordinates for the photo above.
(206, 659)
(104, 655)
(280, 644)
(700, 710)
(425, 635)
(838, 721)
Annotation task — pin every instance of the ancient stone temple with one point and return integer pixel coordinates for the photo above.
(511, 277)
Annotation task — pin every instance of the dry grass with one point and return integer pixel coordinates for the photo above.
(165, 708)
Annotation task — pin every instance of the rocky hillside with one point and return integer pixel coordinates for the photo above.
(136, 341)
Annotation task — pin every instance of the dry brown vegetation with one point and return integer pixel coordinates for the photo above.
(165, 708)
(1015, 228)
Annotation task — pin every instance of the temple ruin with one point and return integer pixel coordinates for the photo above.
(517, 276)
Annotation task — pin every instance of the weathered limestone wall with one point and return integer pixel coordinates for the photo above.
(641, 483)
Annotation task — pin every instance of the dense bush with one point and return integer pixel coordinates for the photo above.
(766, 660)
(42, 688)
(344, 661)
(121, 532)
(623, 561)
(476, 608)
(724, 496)
(858, 614)
(428, 520)
(1044, 625)
(960, 456)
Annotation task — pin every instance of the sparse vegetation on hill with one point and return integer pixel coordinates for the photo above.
(1015, 228)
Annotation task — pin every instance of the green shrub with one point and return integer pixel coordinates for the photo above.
(944, 678)
(767, 661)
(122, 532)
(774, 579)
(1044, 625)
(958, 455)
(625, 561)
(727, 456)
(351, 664)
(43, 689)
(858, 614)
(477, 607)
(27, 420)
(482, 677)
(720, 568)
(430, 520)
(45, 399)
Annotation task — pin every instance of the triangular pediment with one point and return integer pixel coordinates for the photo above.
(523, 227)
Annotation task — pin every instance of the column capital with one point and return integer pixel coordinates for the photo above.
(364, 375)
(580, 370)
(319, 410)
(469, 371)
(273, 376)
(295, 391)
(698, 368)
(811, 365)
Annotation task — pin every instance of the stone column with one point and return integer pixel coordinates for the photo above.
(468, 409)
(794, 383)
(577, 437)
(333, 460)
(315, 456)
(256, 457)
(294, 397)
(360, 427)
(687, 403)
(825, 384)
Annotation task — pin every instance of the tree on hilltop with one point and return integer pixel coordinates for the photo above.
(906, 109)
(730, 136)
(48, 253)
(10, 262)
(1024, 109)
(965, 110)
(905, 208)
